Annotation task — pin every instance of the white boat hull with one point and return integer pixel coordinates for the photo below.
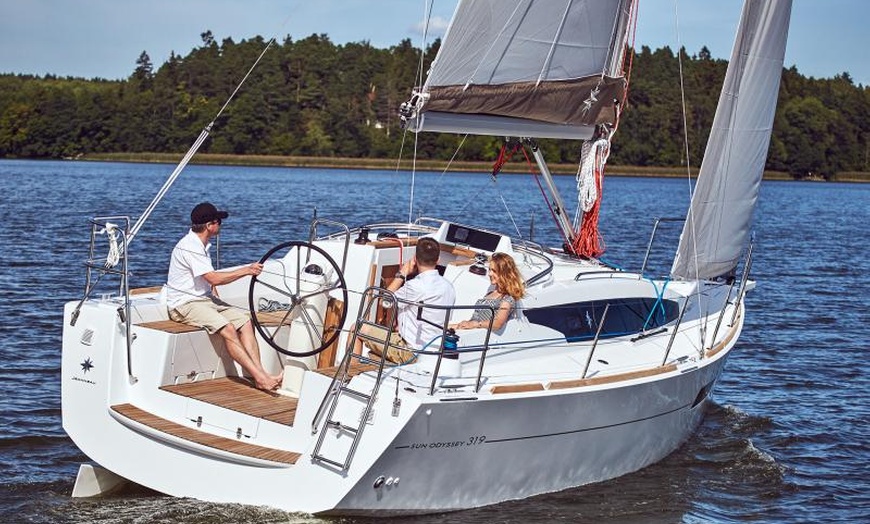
(453, 450)
(467, 454)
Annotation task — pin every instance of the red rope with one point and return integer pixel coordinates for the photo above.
(589, 242)
(504, 156)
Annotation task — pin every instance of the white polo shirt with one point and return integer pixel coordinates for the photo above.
(429, 288)
(190, 260)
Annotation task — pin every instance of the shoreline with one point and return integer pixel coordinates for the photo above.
(421, 165)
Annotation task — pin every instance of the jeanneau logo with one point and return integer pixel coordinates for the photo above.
(87, 365)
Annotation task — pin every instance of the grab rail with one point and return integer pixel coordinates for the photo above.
(393, 226)
(595, 342)
(312, 235)
(742, 292)
(101, 225)
(444, 330)
(606, 274)
(526, 247)
(676, 329)
(653, 236)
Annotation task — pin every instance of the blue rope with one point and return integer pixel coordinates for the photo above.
(659, 301)
(610, 264)
(427, 344)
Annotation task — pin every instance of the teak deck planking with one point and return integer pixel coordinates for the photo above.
(240, 395)
(206, 439)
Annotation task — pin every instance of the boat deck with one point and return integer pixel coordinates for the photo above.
(269, 319)
(205, 439)
(238, 394)
(355, 369)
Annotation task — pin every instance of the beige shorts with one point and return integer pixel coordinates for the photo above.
(396, 355)
(212, 314)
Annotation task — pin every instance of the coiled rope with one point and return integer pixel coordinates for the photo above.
(114, 254)
(590, 182)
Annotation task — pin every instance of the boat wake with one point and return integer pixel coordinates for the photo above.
(726, 449)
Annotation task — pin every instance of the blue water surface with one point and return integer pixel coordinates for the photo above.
(786, 441)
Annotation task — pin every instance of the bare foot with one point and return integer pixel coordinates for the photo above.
(267, 383)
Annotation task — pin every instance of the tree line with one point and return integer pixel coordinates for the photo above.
(311, 97)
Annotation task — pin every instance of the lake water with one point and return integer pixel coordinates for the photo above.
(788, 439)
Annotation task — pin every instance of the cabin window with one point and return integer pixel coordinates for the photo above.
(626, 316)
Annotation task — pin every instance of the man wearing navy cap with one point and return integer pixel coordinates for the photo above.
(192, 299)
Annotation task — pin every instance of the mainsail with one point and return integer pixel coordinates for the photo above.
(720, 216)
(529, 68)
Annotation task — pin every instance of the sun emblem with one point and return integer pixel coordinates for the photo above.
(87, 365)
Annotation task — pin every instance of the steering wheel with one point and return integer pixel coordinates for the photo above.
(293, 292)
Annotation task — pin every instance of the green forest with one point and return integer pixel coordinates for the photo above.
(311, 97)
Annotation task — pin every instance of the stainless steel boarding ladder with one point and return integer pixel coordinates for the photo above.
(372, 297)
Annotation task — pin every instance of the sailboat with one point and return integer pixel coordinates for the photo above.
(602, 371)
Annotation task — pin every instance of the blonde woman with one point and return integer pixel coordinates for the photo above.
(506, 287)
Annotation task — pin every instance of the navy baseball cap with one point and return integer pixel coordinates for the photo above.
(206, 212)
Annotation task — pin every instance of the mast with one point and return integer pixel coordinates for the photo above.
(562, 220)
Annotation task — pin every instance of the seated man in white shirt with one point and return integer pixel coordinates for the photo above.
(192, 299)
(427, 287)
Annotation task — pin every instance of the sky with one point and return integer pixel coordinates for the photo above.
(103, 38)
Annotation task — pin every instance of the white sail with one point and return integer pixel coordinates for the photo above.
(720, 217)
(543, 68)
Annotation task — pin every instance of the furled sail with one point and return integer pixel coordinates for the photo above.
(532, 68)
(720, 216)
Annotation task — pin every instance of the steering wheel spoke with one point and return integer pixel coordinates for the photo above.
(288, 300)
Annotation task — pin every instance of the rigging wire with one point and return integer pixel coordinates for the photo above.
(501, 161)
(503, 157)
(413, 167)
(633, 24)
(440, 179)
(427, 15)
(690, 216)
(507, 209)
(196, 145)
